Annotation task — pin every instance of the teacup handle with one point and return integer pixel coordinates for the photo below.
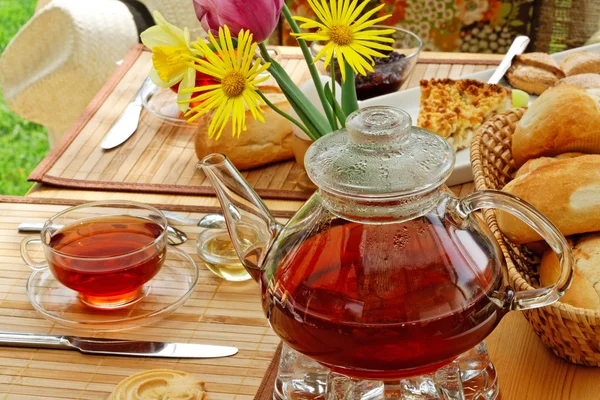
(527, 299)
(25, 254)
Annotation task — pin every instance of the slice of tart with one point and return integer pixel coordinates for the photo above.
(454, 109)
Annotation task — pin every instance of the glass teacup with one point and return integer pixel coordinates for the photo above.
(105, 251)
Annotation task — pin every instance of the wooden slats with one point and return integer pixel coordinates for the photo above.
(160, 158)
(218, 312)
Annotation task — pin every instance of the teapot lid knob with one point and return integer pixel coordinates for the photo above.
(379, 154)
(379, 125)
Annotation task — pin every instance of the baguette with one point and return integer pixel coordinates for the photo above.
(585, 288)
(260, 144)
(566, 191)
(563, 119)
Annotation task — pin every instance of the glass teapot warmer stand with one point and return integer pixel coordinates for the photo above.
(471, 376)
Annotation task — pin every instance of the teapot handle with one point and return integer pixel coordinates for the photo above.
(527, 299)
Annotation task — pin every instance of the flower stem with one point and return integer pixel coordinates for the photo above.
(311, 66)
(287, 116)
(333, 85)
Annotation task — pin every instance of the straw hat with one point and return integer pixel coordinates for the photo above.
(180, 13)
(61, 58)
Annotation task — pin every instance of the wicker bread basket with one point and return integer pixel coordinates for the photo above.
(572, 333)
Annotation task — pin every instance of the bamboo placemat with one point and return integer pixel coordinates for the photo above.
(159, 157)
(218, 312)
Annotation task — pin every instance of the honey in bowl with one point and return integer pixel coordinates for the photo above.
(217, 251)
(107, 259)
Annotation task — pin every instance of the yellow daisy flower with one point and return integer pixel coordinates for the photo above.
(171, 50)
(345, 34)
(237, 72)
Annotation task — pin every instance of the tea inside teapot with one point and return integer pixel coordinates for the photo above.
(385, 301)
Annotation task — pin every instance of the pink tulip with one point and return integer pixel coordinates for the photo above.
(258, 16)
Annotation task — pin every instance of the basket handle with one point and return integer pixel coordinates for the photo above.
(535, 298)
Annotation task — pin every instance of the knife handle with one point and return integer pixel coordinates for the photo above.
(517, 47)
(15, 339)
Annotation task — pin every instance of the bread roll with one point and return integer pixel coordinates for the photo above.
(585, 289)
(580, 62)
(563, 119)
(584, 81)
(566, 191)
(534, 72)
(538, 162)
(540, 60)
(260, 144)
(538, 248)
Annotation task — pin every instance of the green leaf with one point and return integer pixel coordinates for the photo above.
(349, 101)
(310, 115)
(337, 109)
(516, 22)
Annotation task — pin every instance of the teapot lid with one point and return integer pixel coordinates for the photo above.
(379, 154)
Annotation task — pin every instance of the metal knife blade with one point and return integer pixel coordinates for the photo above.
(517, 47)
(115, 347)
(127, 124)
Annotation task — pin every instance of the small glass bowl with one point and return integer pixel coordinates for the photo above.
(216, 250)
(391, 73)
(162, 104)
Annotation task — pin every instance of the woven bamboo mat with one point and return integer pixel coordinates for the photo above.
(159, 157)
(218, 312)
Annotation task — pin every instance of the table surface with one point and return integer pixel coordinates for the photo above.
(526, 368)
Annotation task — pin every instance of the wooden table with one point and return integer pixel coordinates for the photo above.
(526, 368)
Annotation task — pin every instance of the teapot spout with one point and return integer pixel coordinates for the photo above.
(251, 226)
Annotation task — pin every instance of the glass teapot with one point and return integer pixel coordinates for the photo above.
(382, 274)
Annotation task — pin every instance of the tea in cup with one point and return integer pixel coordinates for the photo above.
(105, 251)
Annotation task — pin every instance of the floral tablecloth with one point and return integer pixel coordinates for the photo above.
(475, 26)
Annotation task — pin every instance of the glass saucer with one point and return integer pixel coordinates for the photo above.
(168, 290)
(162, 104)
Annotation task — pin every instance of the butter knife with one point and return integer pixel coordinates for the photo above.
(127, 124)
(113, 347)
(517, 47)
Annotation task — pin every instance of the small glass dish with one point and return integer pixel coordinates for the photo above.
(216, 250)
(168, 290)
(162, 104)
(389, 73)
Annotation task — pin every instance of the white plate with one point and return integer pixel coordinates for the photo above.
(408, 100)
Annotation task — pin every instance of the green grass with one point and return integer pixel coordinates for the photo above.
(22, 144)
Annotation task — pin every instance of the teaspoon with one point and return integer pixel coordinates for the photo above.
(209, 221)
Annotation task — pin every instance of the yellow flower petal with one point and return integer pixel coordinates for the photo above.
(237, 72)
(183, 95)
(343, 29)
